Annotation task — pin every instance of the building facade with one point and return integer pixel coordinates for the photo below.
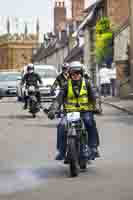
(118, 12)
(16, 49)
(78, 7)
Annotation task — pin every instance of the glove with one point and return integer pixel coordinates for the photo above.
(45, 110)
(51, 115)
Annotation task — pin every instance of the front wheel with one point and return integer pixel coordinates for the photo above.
(33, 108)
(73, 157)
(83, 164)
(34, 115)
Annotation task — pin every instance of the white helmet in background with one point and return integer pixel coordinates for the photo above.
(30, 68)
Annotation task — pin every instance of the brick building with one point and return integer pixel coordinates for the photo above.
(77, 9)
(118, 11)
(60, 16)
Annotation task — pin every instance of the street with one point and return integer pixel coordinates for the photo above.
(28, 170)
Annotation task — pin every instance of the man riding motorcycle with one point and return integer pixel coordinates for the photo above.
(62, 78)
(31, 79)
(77, 95)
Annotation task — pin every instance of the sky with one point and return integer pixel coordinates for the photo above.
(27, 11)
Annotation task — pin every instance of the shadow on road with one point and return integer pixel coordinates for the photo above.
(17, 180)
(51, 172)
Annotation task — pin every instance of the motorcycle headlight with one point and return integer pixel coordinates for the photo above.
(31, 89)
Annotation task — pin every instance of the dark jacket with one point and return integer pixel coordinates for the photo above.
(60, 81)
(31, 79)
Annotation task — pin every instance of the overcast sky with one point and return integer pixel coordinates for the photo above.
(21, 11)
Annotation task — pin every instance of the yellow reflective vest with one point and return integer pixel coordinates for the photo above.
(80, 103)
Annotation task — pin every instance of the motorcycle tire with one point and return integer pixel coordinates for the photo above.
(83, 164)
(34, 115)
(33, 108)
(73, 158)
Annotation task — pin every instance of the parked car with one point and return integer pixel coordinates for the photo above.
(48, 75)
(8, 83)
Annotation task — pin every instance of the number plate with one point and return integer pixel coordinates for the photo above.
(74, 116)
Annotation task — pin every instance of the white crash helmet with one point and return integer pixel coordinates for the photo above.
(76, 66)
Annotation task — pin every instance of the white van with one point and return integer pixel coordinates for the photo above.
(48, 74)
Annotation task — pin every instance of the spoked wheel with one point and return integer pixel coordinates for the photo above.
(73, 158)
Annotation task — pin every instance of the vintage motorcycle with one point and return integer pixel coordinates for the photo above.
(77, 150)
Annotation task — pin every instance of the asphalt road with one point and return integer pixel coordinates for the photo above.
(28, 170)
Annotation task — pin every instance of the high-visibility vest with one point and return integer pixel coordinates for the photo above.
(80, 103)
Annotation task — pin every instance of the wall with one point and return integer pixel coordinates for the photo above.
(118, 11)
(121, 42)
(77, 9)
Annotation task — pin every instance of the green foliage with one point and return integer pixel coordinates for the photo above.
(104, 37)
(103, 25)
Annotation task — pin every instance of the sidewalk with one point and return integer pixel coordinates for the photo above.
(124, 105)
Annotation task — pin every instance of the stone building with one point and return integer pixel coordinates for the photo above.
(16, 50)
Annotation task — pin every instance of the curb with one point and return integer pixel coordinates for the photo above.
(120, 108)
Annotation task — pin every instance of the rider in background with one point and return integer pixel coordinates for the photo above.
(31, 78)
(62, 78)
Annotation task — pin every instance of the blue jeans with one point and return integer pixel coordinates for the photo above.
(61, 136)
(90, 124)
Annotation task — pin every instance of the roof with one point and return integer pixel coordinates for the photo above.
(57, 46)
(74, 53)
(46, 52)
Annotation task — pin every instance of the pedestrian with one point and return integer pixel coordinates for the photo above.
(104, 80)
(113, 79)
